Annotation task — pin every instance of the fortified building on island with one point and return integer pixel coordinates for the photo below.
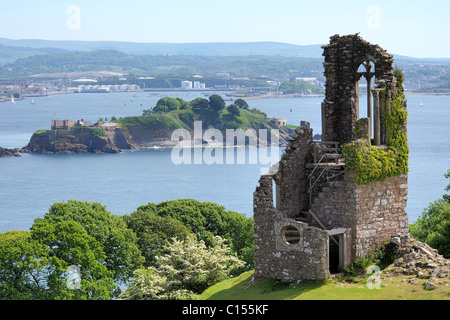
(329, 202)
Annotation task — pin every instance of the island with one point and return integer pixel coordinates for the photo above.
(154, 128)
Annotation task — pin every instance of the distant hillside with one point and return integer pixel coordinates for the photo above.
(281, 61)
(10, 54)
(163, 65)
(190, 49)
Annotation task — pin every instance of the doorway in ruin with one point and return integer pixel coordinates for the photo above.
(337, 250)
(333, 255)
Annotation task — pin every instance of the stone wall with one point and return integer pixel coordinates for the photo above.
(343, 56)
(374, 212)
(275, 258)
(337, 221)
(291, 178)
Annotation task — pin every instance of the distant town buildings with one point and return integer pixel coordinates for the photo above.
(188, 85)
(312, 81)
(108, 88)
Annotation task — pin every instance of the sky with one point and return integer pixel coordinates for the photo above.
(405, 27)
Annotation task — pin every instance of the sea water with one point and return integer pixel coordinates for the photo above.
(29, 185)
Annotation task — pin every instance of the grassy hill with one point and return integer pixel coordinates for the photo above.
(393, 287)
(184, 119)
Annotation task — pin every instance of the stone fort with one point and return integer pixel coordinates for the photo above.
(312, 218)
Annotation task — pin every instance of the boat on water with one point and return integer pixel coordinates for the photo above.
(12, 99)
(32, 101)
(421, 104)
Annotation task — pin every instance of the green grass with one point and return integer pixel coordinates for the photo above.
(244, 287)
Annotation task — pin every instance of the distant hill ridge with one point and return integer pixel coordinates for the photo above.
(204, 49)
(11, 49)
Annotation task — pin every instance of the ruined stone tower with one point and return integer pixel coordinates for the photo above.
(328, 202)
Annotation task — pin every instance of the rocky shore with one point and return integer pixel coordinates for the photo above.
(6, 153)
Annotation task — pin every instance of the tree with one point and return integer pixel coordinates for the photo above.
(433, 226)
(23, 265)
(241, 103)
(187, 269)
(167, 104)
(33, 269)
(206, 220)
(216, 103)
(233, 110)
(122, 254)
(199, 104)
(154, 232)
(68, 243)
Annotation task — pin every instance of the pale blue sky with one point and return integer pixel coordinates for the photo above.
(407, 27)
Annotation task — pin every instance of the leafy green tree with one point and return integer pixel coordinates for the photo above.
(34, 269)
(187, 269)
(241, 103)
(122, 254)
(433, 226)
(154, 232)
(70, 244)
(233, 110)
(199, 104)
(183, 104)
(216, 103)
(167, 104)
(23, 267)
(206, 220)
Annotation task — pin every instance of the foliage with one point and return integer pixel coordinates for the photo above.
(188, 268)
(147, 285)
(122, 254)
(156, 121)
(300, 88)
(206, 220)
(199, 104)
(370, 163)
(34, 265)
(433, 226)
(98, 132)
(163, 65)
(241, 103)
(233, 110)
(23, 266)
(175, 113)
(168, 104)
(216, 103)
(154, 232)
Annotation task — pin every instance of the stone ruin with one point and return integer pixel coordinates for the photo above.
(312, 219)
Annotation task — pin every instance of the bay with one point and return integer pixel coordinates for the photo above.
(31, 184)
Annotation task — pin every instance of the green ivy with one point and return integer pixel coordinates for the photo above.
(373, 164)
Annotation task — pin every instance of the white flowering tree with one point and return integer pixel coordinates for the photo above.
(187, 269)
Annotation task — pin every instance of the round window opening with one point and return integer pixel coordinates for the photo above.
(291, 235)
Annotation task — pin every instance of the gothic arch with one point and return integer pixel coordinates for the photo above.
(340, 109)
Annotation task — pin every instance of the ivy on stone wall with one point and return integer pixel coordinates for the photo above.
(371, 163)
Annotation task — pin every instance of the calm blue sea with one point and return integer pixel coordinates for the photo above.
(31, 184)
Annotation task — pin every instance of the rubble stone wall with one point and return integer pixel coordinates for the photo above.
(274, 257)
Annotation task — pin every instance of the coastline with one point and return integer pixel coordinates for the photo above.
(264, 96)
